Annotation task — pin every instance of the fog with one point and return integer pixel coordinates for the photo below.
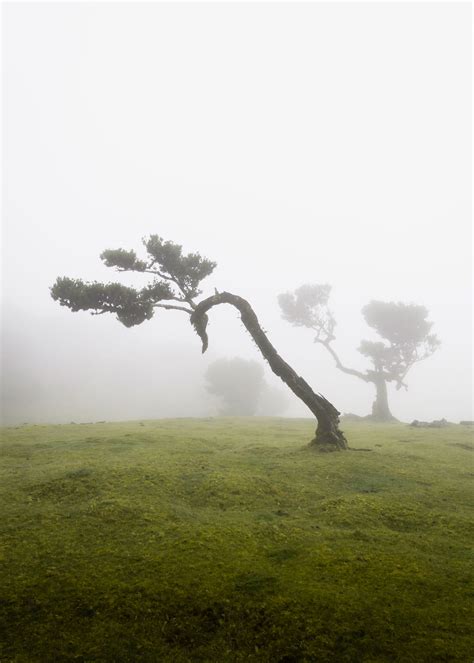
(290, 143)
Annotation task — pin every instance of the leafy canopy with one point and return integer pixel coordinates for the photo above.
(176, 279)
(308, 307)
(404, 328)
(396, 322)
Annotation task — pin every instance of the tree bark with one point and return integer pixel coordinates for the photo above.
(328, 437)
(380, 409)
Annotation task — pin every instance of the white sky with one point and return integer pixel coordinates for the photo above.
(291, 143)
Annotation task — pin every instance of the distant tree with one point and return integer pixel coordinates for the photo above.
(239, 383)
(241, 386)
(175, 286)
(404, 329)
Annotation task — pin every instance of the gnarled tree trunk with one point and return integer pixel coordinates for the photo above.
(328, 436)
(380, 409)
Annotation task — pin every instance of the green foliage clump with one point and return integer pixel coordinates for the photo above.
(131, 306)
(398, 322)
(123, 260)
(406, 328)
(307, 306)
(186, 270)
(176, 279)
(224, 540)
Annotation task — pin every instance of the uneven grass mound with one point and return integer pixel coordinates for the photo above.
(226, 540)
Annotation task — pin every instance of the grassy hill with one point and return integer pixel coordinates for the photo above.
(226, 540)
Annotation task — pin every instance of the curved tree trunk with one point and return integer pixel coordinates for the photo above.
(380, 409)
(328, 436)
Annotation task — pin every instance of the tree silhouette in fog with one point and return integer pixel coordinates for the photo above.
(238, 383)
(404, 329)
(176, 278)
(241, 387)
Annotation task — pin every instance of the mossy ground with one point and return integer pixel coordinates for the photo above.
(227, 540)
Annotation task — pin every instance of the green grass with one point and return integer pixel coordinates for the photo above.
(226, 540)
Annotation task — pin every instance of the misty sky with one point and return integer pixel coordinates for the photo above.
(291, 143)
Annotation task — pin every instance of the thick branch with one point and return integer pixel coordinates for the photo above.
(370, 376)
(170, 307)
(340, 366)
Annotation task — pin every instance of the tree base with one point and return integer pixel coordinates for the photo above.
(382, 419)
(351, 417)
(326, 441)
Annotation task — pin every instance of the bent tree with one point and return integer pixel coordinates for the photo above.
(404, 329)
(175, 286)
